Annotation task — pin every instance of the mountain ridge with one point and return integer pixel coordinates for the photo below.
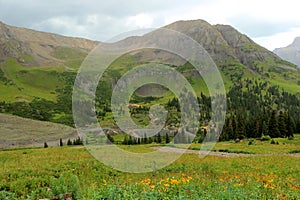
(27, 55)
(291, 52)
(35, 48)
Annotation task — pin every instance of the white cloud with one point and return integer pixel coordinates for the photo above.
(140, 21)
(278, 40)
(261, 19)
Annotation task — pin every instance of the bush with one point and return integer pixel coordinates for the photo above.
(251, 141)
(274, 142)
(265, 138)
(295, 151)
(290, 138)
(67, 185)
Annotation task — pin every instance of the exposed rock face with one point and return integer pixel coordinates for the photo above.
(35, 47)
(291, 52)
(224, 43)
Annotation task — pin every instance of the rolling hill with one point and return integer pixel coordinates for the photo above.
(17, 132)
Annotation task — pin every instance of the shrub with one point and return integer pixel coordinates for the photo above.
(290, 138)
(251, 141)
(265, 138)
(295, 151)
(274, 142)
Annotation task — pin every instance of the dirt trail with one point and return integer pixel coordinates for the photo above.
(219, 154)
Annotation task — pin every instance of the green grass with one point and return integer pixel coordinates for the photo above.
(30, 82)
(73, 57)
(258, 147)
(46, 173)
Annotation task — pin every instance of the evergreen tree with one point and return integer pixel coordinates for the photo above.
(125, 141)
(61, 142)
(69, 142)
(150, 140)
(167, 138)
(240, 129)
(289, 126)
(273, 126)
(145, 139)
(110, 139)
(282, 124)
(158, 138)
(265, 129)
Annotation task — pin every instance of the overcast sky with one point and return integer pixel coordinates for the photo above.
(271, 23)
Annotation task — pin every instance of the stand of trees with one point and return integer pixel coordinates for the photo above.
(254, 108)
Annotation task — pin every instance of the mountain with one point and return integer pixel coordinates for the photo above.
(35, 48)
(32, 62)
(37, 73)
(291, 52)
(224, 43)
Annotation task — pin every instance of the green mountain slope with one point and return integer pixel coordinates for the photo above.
(38, 71)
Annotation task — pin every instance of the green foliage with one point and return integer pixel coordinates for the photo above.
(64, 185)
(251, 142)
(295, 151)
(57, 173)
(265, 138)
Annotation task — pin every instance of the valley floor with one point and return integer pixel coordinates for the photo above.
(62, 172)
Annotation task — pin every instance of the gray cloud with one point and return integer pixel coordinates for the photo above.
(100, 20)
(261, 27)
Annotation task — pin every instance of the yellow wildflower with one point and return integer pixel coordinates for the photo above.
(270, 186)
(238, 184)
(152, 186)
(175, 182)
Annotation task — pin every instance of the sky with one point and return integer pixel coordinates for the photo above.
(270, 23)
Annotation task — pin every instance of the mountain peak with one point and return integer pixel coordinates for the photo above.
(291, 52)
(224, 43)
(296, 42)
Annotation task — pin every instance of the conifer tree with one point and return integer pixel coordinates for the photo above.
(282, 124)
(158, 138)
(167, 138)
(273, 126)
(61, 142)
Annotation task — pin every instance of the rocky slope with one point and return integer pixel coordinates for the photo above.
(291, 52)
(224, 43)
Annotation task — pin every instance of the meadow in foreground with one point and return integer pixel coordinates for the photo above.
(64, 172)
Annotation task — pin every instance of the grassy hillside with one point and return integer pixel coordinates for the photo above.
(16, 132)
(25, 83)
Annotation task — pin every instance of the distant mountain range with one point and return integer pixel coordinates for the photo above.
(290, 53)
